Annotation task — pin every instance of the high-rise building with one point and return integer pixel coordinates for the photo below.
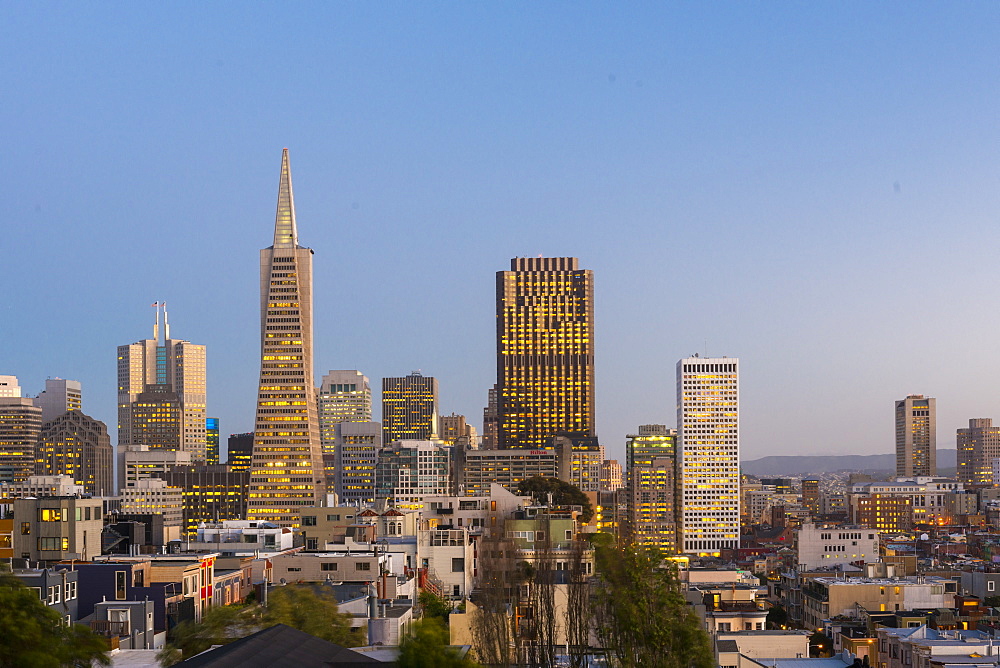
(474, 471)
(612, 477)
(653, 440)
(212, 440)
(212, 493)
(20, 426)
(810, 495)
(170, 376)
(344, 396)
(491, 421)
(9, 386)
(978, 446)
(454, 430)
(140, 462)
(916, 436)
(408, 470)
(651, 463)
(287, 468)
(77, 445)
(59, 396)
(545, 351)
(239, 451)
(581, 460)
(356, 448)
(409, 408)
(708, 454)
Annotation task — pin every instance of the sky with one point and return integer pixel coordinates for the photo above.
(810, 187)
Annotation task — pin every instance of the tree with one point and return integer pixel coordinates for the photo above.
(33, 636)
(496, 598)
(642, 617)
(298, 606)
(428, 647)
(563, 494)
(579, 613)
(435, 606)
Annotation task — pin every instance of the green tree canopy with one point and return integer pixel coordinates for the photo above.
(435, 606)
(32, 635)
(428, 647)
(642, 617)
(298, 606)
(563, 494)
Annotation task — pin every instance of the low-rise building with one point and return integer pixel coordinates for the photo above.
(57, 528)
(820, 546)
(824, 597)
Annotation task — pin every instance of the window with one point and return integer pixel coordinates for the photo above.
(458, 564)
(363, 566)
(70, 591)
(48, 515)
(991, 585)
(294, 570)
(120, 581)
(79, 514)
(329, 566)
(52, 543)
(25, 528)
(312, 543)
(87, 513)
(309, 521)
(569, 534)
(333, 518)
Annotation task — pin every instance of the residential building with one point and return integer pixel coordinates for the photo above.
(241, 537)
(58, 589)
(59, 396)
(612, 477)
(825, 597)
(475, 471)
(408, 471)
(928, 497)
(356, 448)
(287, 468)
(239, 451)
(545, 351)
(810, 495)
(212, 493)
(978, 446)
(162, 392)
(580, 459)
(454, 430)
(57, 528)
(20, 427)
(821, 546)
(884, 512)
(77, 445)
(409, 408)
(212, 441)
(708, 454)
(449, 555)
(916, 436)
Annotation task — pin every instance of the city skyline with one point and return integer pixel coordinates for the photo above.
(808, 194)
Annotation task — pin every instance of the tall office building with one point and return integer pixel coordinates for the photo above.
(343, 396)
(59, 396)
(491, 421)
(357, 445)
(708, 454)
(454, 430)
(77, 445)
(286, 472)
(545, 351)
(170, 376)
(651, 463)
(409, 408)
(977, 447)
(653, 440)
(9, 386)
(916, 436)
(20, 426)
(239, 451)
(212, 440)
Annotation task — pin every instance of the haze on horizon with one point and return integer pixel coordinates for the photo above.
(813, 189)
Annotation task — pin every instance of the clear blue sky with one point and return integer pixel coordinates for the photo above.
(812, 187)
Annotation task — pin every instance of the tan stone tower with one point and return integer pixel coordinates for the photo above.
(286, 471)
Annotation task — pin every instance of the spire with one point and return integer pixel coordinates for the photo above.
(285, 233)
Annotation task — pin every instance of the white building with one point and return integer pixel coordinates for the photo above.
(9, 386)
(139, 462)
(58, 397)
(41, 485)
(409, 471)
(153, 496)
(242, 537)
(708, 454)
(820, 546)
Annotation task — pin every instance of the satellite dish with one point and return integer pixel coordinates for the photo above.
(924, 536)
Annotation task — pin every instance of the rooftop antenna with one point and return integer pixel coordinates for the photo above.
(166, 325)
(156, 327)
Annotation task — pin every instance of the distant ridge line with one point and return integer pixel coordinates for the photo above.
(817, 464)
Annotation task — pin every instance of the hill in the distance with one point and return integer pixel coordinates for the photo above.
(793, 465)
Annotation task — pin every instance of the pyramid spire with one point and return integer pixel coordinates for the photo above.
(285, 233)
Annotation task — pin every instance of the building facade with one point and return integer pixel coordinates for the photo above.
(239, 451)
(212, 493)
(212, 440)
(708, 454)
(20, 427)
(287, 466)
(545, 351)
(57, 528)
(162, 392)
(916, 436)
(978, 446)
(357, 445)
(59, 396)
(476, 470)
(343, 396)
(77, 445)
(409, 408)
(408, 471)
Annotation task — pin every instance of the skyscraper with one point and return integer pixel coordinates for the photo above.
(287, 467)
(344, 396)
(545, 351)
(409, 408)
(708, 454)
(77, 445)
(977, 447)
(916, 436)
(357, 445)
(20, 425)
(212, 440)
(9, 386)
(170, 374)
(59, 396)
